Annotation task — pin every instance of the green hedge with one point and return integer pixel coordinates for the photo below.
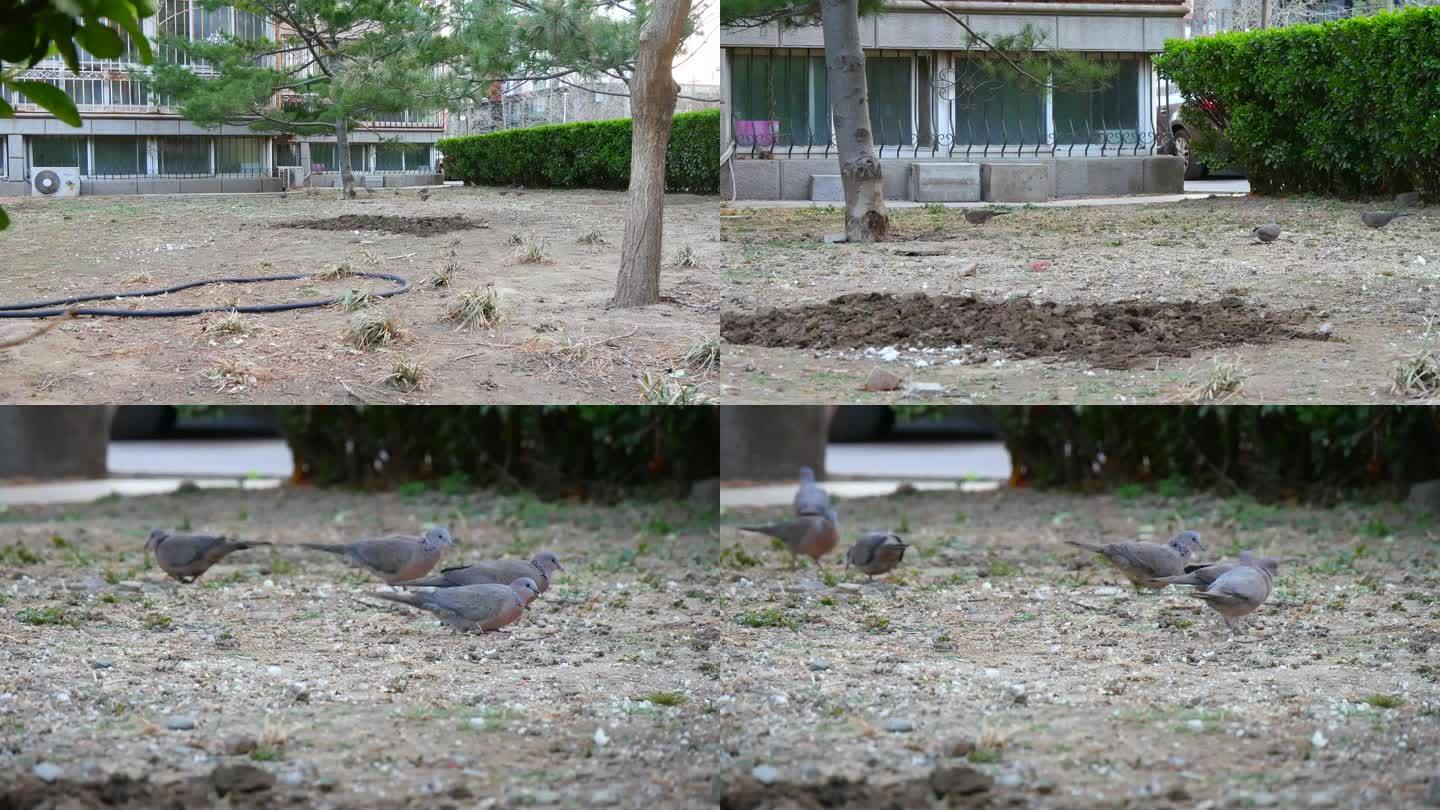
(1349, 107)
(589, 154)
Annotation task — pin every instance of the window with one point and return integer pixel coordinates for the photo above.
(887, 80)
(1112, 111)
(784, 87)
(402, 157)
(184, 155)
(119, 156)
(993, 104)
(287, 154)
(323, 155)
(239, 155)
(58, 151)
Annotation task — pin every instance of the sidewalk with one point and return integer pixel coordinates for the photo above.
(1194, 190)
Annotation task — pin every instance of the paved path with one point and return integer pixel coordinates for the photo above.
(1194, 190)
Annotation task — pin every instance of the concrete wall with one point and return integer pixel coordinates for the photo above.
(1121, 32)
(195, 185)
(1065, 177)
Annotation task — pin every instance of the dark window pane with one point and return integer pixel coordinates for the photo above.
(780, 98)
(59, 151)
(994, 104)
(1112, 111)
(183, 155)
(887, 80)
(119, 155)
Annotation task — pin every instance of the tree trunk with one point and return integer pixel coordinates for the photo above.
(773, 441)
(342, 155)
(865, 217)
(54, 441)
(653, 92)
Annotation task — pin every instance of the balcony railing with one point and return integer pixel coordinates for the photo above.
(767, 139)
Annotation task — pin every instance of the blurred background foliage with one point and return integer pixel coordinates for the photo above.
(590, 451)
(1268, 451)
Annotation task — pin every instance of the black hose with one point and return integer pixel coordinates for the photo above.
(33, 308)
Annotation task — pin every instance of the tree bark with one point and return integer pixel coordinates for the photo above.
(773, 441)
(342, 156)
(653, 92)
(54, 441)
(865, 217)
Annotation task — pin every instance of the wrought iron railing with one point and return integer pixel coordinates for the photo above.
(765, 139)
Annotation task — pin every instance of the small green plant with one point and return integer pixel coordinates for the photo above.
(665, 698)
(16, 554)
(1384, 701)
(282, 567)
(267, 753)
(156, 621)
(829, 579)
(875, 624)
(47, 616)
(769, 617)
(1001, 568)
(985, 756)
(737, 557)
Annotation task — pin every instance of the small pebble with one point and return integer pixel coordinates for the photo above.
(603, 798)
(239, 744)
(765, 774)
(899, 725)
(102, 663)
(817, 665)
(292, 778)
(179, 723)
(48, 771)
(545, 797)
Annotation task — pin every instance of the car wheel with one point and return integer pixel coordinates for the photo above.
(1194, 170)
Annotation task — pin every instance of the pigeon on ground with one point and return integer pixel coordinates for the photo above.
(284, 195)
(486, 608)
(424, 194)
(811, 535)
(397, 558)
(1379, 219)
(1239, 591)
(1266, 233)
(186, 556)
(1142, 562)
(980, 216)
(810, 499)
(876, 553)
(1200, 576)
(497, 572)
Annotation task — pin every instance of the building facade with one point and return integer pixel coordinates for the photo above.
(937, 97)
(132, 140)
(533, 103)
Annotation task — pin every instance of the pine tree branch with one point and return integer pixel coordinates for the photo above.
(997, 51)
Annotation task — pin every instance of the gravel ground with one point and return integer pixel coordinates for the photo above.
(1373, 295)
(676, 664)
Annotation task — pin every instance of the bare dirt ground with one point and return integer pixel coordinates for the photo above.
(558, 342)
(674, 663)
(1099, 304)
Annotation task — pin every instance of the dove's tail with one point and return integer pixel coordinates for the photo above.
(1087, 546)
(1160, 582)
(773, 531)
(425, 582)
(333, 548)
(241, 545)
(411, 599)
(1217, 598)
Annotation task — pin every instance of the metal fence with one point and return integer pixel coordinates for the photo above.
(767, 139)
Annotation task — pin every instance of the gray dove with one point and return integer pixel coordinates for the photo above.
(1239, 591)
(811, 535)
(496, 572)
(468, 608)
(1142, 562)
(1379, 219)
(876, 553)
(424, 194)
(980, 216)
(810, 499)
(1200, 576)
(1266, 233)
(396, 558)
(190, 555)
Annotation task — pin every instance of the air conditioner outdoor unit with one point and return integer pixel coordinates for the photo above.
(55, 182)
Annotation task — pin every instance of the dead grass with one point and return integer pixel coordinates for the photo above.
(231, 375)
(372, 328)
(701, 356)
(1418, 376)
(407, 374)
(1224, 380)
(354, 300)
(592, 237)
(671, 389)
(227, 323)
(334, 271)
(531, 250)
(685, 257)
(476, 309)
(143, 277)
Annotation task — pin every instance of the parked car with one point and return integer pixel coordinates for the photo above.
(1169, 119)
(167, 421)
(872, 423)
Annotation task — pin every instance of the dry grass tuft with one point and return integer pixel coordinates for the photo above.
(530, 251)
(228, 323)
(1418, 376)
(478, 308)
(355, 300)
(701, 356)
(514, 239)
(143, 277)
(407, 374)
(371, 328)
(592, 237)
(1223, 382)
(333, 272)
(232, 375)
(685, 257)
(671, 389)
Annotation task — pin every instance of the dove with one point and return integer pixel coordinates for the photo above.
(1201, 576)
(810, 499)
(396, 558)
(496, 572)
(486, 608)
(876, 553)
(284, 194)
(980, 216)
(1266, 233)
(1236, 593)
(1379, 219)
(1142, 562)
(424, 194)
(811, 535)
(190, 555)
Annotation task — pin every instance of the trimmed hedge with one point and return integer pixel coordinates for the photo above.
(588, 154)
(1349, 107)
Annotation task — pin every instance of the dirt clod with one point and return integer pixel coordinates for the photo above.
(1122, 334)
(242, 778)
(414, 226)
(959, 786)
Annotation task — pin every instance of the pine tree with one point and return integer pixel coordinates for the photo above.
(334, 66)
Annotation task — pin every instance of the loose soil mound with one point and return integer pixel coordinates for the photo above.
(958, 786)
(414, 226)
(1121, 334)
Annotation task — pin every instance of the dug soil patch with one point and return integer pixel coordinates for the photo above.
(1119, 334)
(955, 786)
(414, 226)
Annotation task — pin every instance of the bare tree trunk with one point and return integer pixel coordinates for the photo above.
(653, 92)
(55, 441)
(773, 441)
(342, 155)
(865, 217)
